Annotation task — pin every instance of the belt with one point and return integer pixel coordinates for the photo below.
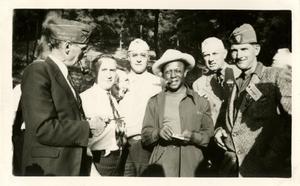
(135, 137)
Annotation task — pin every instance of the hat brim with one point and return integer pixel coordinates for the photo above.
(186, 58)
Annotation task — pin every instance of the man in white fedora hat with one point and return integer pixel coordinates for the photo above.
(142, 86)
(177, 121)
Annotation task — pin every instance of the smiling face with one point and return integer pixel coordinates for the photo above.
(138, 60)
(214, 58)
(244, 55)
(174, 73)
(107, 73)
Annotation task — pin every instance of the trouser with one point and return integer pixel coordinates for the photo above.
(136, 158)
(107, 165)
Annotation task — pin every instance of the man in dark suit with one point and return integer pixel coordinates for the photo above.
(257, 134)
(57, 131)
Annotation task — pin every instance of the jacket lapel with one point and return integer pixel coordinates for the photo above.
(213, 88)
(62, 82)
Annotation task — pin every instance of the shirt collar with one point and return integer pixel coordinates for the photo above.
(257, 70)
(63, 68)
(99, 90)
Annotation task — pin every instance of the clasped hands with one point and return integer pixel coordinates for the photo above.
(97, 125)
(166, 133)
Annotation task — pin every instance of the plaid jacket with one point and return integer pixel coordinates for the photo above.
(260, 126)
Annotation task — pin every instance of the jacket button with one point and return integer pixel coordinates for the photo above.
(234, 134)
(239, 152)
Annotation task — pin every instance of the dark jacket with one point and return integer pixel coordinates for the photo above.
(56, 135)
(260, 126)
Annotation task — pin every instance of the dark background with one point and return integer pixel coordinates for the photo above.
(183, 30)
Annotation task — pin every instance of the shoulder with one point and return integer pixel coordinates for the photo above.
(197, 99)
(201, 79)
(200, 82)
(152, 76)
(277, 73)
(235, 69)
(86, 93)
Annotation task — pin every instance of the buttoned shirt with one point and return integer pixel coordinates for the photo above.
(133, 105)
(242, 82)
(95, 102)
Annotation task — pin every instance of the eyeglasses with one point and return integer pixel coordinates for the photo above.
(84, 49)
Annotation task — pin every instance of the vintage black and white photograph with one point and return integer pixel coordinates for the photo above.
(152, 92)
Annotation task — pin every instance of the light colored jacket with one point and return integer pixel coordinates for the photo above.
(217, 96)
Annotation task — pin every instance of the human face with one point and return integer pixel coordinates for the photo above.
(75, 53)
(107, 73)
(138, 61)
(174, 74)
(214, 58)
(244, 55)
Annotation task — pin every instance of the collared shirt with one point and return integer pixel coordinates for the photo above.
(95, 102)
(64, 70)
(242, 82)
(133, 105)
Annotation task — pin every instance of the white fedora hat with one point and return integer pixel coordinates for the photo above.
(173, 55)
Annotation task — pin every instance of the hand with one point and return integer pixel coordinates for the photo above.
(97, 125)
(202, 94)
(188, 137)
(219, 134)
(166, 133)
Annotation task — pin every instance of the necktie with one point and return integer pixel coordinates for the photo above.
(220, 79)
(78, 99)
(120, 131)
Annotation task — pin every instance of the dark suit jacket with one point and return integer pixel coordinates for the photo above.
(56, 135)
(260, 126)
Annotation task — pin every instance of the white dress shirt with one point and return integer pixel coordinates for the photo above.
(133, 105)
(95, 102)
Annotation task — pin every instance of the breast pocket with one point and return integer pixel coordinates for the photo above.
(196, 119)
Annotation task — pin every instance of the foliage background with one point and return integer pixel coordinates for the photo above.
(161, 29)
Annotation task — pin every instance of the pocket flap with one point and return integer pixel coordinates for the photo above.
(50, 152)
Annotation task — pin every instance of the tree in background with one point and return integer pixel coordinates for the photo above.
(161, 29)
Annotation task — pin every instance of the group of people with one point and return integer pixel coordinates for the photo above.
(235, 122)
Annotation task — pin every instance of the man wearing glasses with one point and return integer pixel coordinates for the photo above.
(57, 131)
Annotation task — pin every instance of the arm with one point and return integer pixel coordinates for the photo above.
(202, 137)
(150, 130)
(207, 126)
(281, 144)
(51, 126)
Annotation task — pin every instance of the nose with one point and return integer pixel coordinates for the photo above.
(173, 74)
(109, 75)
(239, 54)
(138, 59)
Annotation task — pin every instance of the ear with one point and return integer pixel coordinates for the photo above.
(257, 49)
(67, 46)
(185, 73)
(225, 53)
(128, 56)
